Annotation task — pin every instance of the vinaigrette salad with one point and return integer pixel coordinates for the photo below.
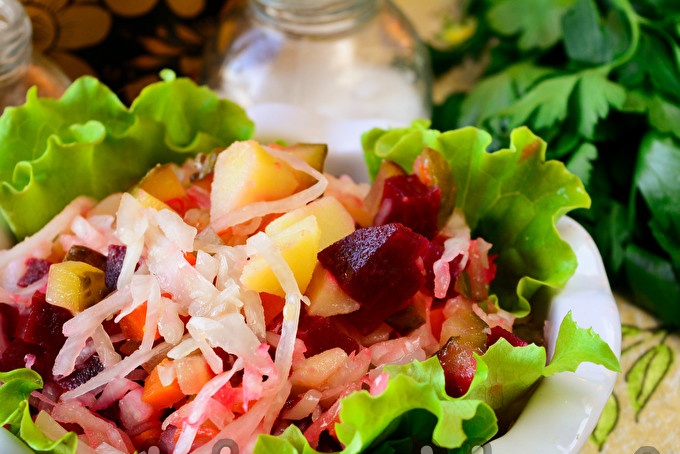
(241, 294)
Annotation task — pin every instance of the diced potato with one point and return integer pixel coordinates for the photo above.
(316, 370)
(75, 285)
(246, 173)
(326, 297)
(334, 220)
(162, 183)
(147, 200)
(298, 245)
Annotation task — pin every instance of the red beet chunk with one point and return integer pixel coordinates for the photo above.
(459, 367)
(320, 334)
(114, 263)
(17, 353)
(380, 267)
(497, 332)
(408, 201)
(36, 269)
(44, 323)
(10, 321)
(82, 373)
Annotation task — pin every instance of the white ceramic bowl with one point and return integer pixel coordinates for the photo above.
(564, 408)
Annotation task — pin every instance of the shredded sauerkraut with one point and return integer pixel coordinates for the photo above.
(255, 366)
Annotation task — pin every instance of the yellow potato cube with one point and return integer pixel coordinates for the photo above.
(298, 245)
(246, 173)
(334, 220)
(326, 298)
(317, 369)
(162, 183)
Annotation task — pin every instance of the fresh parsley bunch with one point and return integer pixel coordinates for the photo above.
(599, 80)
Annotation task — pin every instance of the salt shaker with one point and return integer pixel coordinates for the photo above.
(346, 59)
(20, 67)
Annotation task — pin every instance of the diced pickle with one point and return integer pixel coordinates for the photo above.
(75, 285)
(85, 254)
(313, 154)
(433, 170)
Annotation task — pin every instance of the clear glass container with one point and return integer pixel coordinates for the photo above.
(20, 67)
(348, 59)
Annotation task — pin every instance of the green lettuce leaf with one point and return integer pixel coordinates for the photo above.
(513, 371)
(15, 415)
(89, 143)
(414, 391)
(415, 411)
(511, 198)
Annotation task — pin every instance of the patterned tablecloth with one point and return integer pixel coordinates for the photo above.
(126, 43)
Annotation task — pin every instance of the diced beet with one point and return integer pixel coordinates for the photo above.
(320, 334)
(459, 367)
(45, 322)
(36, 269)
(82, 373)
(497, 332)
(85, 254)
(10, 320)
(408, 201)
(114, 263)
(380, 267)
(15, 356)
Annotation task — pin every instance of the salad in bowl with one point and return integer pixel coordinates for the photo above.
(182, 286)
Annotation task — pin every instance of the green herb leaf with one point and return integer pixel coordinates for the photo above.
(656, 176)
(591, 39)
(538, 25)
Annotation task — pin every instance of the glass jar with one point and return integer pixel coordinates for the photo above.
(347, 59)
(20, 67)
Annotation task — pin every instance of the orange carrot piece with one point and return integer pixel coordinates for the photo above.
(132, 324)
(156, 394)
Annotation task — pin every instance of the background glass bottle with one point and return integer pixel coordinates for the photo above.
(20, 67)
(347, 59)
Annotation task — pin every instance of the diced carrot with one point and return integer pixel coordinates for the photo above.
(207, 431)
(273, 306)
(150, 434)
(132, 325)
(156, 394)
(192, 373)
(190, 257)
